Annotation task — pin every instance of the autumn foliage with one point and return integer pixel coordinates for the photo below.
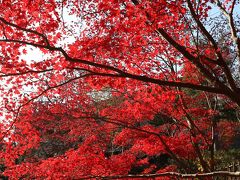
(94, 89)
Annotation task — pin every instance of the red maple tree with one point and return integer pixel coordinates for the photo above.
(118, 87)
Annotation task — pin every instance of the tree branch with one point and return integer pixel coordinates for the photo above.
(214, 43)
(220, 89)
(26, 30)
(34, 98)
(25, 72)
(122, 73)
(169, 174)
(229, 16)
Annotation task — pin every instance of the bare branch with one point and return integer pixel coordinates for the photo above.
(230, 18)
(169, 174)
(214, 43)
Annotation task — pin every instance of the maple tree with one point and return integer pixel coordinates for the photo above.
(118, 87)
